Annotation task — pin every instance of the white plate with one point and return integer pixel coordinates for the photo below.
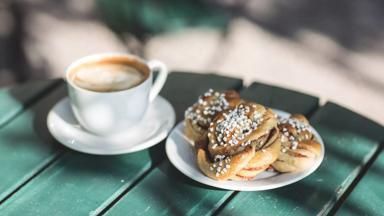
(154, 127)
(181, 154)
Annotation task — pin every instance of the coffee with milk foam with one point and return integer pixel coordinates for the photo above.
(107, 76)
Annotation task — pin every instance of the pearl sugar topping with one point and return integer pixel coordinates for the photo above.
(236, 125)
(221, 164)
(212, 102)
(288, 137)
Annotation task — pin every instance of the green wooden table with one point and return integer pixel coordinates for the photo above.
(38, 176)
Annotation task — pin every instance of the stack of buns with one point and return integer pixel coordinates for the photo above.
(237, 139)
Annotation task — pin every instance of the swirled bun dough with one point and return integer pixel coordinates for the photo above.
(299, 147)
(199, 116)
(242, 142)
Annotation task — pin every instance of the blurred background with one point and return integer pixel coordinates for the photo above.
(333, 49)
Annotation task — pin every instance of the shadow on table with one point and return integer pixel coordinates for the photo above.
(177, 201)
(35, 104)
(335, 119)
(340, 128)
(350, 149)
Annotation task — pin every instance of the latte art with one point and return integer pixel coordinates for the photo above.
(106, 77)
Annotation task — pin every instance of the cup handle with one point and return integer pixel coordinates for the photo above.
(159, 66)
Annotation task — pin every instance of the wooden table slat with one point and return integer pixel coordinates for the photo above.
(78, 184)
(280, 98)
(16, 98)
(165, 191)
(86, 184)
(183, 88)
(33, 182)
(26, 145)
(368, 196)
(350, 141)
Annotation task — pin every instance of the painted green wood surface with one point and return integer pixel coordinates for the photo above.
(79, 184)
(165, 191)
(368, 196)
(15, 98)
(25, 144)
(280, 98)
(192, 86)
(350, 141)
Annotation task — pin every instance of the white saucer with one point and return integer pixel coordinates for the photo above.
(181, 154)
(154, 127)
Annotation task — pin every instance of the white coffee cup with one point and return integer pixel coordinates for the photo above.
(109, 112)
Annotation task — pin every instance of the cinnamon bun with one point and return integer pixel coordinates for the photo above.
(199, 116)
(242, 142)
(299, 147)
